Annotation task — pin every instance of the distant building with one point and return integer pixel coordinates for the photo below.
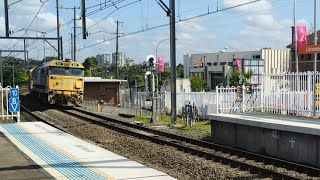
(103, 59)
(166, 64)
(121, 59)
(305, 61)
(217, 68)
(182, 85)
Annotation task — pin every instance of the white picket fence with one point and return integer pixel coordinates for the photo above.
(4, 106)
(286, 93)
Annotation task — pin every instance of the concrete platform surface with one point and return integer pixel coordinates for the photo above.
(15, 165)
(270, 122)
(66, 157)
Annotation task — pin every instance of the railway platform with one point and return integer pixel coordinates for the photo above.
(293, 139)
(40, 151)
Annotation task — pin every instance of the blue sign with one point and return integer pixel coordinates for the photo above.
(14, 104)
(14, 92)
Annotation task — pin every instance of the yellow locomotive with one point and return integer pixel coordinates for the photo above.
(58, 82)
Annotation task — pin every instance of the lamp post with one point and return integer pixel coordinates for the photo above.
(231, 48)
(157, 76)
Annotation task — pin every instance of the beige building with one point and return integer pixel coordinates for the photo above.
(217, 68)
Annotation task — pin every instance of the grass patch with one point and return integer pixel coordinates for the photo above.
(203, 126)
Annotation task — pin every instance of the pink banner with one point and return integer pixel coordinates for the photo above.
(238, 61)
(160, 64)
(302, 36)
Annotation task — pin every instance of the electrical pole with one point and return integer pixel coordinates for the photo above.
(6, 17)
(173, 62)
(117, 50)
(71, 47)
(295, 36)
(83, 14)
(74, 37)
(58, 31)
(315, 59)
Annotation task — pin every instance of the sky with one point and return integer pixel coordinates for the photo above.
(265, 23)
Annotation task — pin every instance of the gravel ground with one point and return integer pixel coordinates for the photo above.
(167, 159)
(163, 158)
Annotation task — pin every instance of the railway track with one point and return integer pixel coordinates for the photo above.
(233, 157)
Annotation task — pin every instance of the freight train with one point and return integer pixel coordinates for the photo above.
(58, 82)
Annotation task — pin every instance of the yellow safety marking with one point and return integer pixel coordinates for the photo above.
(35, 158)
(69, 155)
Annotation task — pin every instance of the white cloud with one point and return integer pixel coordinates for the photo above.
(250, 8)
(184, 37)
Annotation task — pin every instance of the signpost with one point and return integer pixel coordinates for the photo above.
(14, 103)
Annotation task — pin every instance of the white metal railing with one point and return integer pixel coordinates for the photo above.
(4, 107)
(285, 93)
(291, 93)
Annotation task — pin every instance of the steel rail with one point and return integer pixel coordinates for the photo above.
(168, 141)
(310, 170)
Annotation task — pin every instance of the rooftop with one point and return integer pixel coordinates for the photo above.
(100, 80)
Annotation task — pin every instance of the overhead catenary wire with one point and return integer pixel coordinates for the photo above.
(167, 24)
(89, 14)
(42, 3)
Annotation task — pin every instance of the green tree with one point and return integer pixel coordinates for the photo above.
(22, 76)
(180, 71)
(198, 84)
(49, 58)
(90, 62)
(234, 78)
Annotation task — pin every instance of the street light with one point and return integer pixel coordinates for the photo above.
(231, 48)
(157, 63)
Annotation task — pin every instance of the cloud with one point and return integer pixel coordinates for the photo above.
(184, 37)
(250, 8)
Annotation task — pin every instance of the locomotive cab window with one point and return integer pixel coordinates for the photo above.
(57, 71)
(75, 72)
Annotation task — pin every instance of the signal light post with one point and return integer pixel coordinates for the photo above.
(151, 60)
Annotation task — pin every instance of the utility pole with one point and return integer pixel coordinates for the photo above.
(25, 52)
(71, 47)
(315, 59)
(117, 50)
(173, 61)
(1, 73)
(74, 37)
(6, 17)
(58, 31)
(295, 36)
(83, 14)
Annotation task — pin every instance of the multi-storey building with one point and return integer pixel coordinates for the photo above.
(217, 68)
(121, 59)
(103, 59)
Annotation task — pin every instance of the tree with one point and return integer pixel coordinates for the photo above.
(90, 62)
(49, 58)
(234, 79)
(198, 84)
(180, 71)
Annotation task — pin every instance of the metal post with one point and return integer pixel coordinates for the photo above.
(173, 62)
(6, 17)
(295, 36)
(83, 14)
(24, 49)
(71, 47)
(74, 37)
(1, 73)
(61, 49)
(13, 84)
(153, 118)
(157, 74)
(117, 50)
(58, 31)
(315, 59)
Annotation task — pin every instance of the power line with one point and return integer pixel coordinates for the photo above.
(182, 20)
(42, 3)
